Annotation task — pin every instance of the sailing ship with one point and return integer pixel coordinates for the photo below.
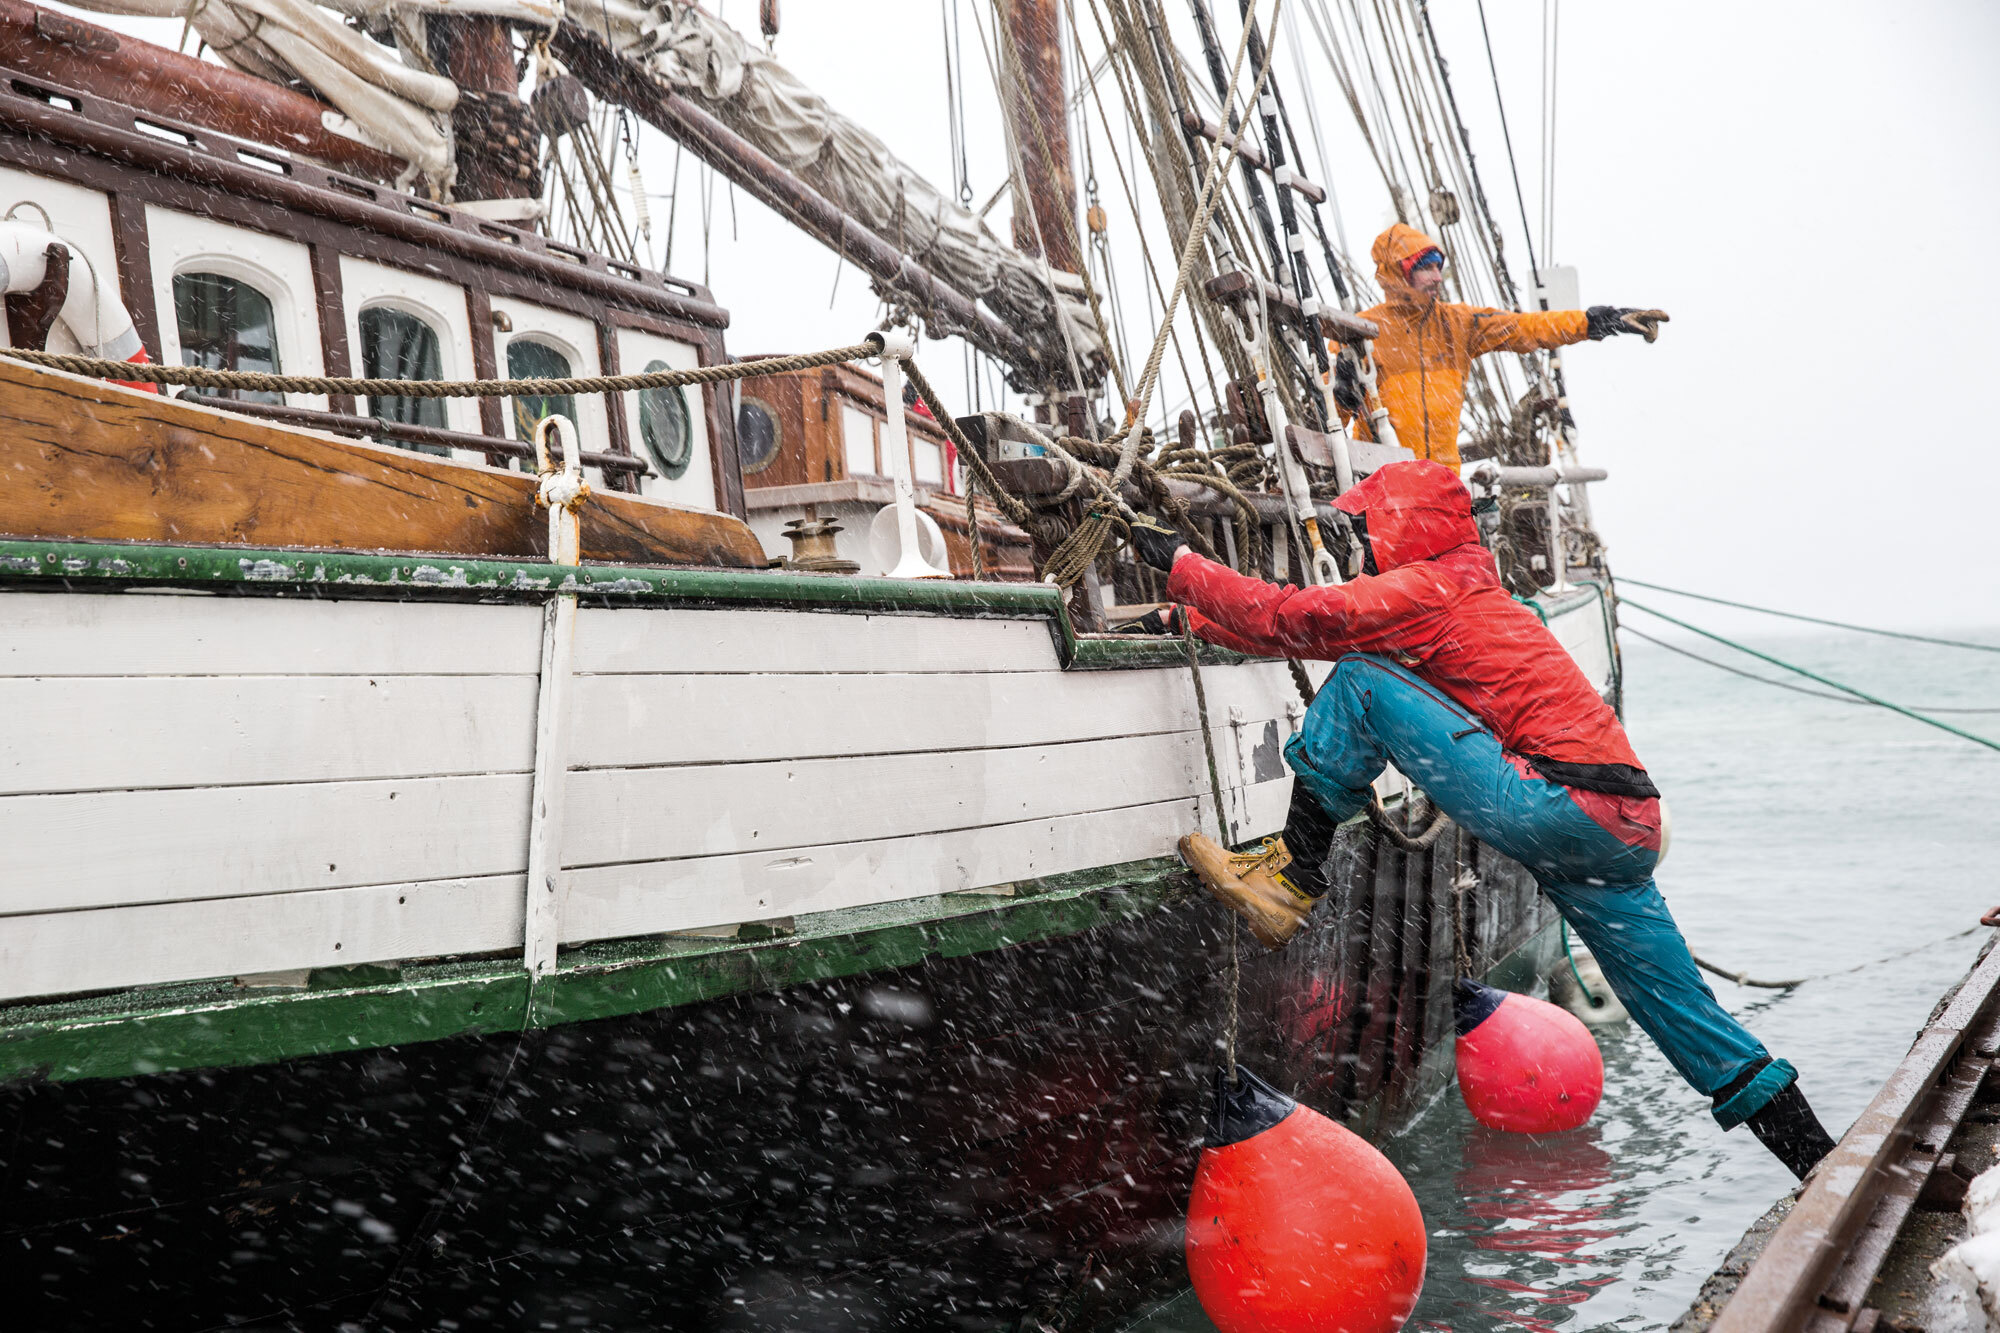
(536, 858)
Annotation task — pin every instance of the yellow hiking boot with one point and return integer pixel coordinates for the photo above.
(1253, 885)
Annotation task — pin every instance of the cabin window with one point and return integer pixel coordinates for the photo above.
(226, 325)
(399, 346)
(531, 360)
(664, 427)
(857, 438)
(757, 435)
(929, 459)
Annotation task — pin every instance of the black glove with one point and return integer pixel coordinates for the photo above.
(1155, 543)
(1159, 620)
(1347, 387)
(1606, 320)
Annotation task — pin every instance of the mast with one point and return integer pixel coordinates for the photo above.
(1045, 222)
(498, 142)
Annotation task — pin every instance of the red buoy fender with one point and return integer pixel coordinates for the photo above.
(1297, 1225)
(1525, 1065)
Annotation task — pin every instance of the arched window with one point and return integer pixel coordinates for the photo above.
(226, 324)
(664, 427)
(399, 346)
(531, 360)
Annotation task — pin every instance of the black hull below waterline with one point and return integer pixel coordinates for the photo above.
(957, 1142)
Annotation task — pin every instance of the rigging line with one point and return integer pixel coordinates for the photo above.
(1503, 274)
(1555, 91)
(1814, 620)
(1336, 59)
(1781, 684)
(1534, 265)
(1311, 103)
(1023, 199)
(1813, 675)
(1388, 125)
(1542, 160)
(1218, 162)
(1131, 198)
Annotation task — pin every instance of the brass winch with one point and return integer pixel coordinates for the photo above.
(813, 549)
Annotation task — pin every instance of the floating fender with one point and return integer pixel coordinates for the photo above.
(1297, 1225)
(1525, 1065)
(1593, 1001)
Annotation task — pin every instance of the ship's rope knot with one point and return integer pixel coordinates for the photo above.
(560, 490)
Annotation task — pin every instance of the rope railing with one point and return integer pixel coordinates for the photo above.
(255, 381)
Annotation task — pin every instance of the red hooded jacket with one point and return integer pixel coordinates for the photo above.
(1438, 608)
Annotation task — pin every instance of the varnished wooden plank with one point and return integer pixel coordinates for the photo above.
(133, 634)
(103, 733)
(112, 947)
(105, 849)
(88, 460)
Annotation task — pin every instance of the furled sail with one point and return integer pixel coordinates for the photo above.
(708, 62)
(399, 105)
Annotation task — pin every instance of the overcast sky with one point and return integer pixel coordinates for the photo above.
(1808, 188)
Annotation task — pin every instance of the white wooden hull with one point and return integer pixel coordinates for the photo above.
(201, 786)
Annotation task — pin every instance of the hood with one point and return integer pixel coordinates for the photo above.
(1392, 249)
(1413, 510)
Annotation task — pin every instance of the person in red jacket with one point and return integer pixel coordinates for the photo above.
(1442, 673)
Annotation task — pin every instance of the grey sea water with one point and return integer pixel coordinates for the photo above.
(1810, 837)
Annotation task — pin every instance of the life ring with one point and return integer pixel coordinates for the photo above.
(91, 310)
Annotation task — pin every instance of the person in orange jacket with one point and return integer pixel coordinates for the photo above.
(1426, 345)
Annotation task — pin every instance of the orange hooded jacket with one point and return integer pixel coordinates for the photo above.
(1427, 345)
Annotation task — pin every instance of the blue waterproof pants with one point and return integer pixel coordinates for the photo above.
(1371, 712)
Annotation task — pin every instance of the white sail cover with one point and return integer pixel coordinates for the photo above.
(708, 62)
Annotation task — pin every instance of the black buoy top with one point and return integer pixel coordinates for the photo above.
(1244, 1111)
(1473, 1004)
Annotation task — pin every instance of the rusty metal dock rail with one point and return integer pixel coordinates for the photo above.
(1817, 1267)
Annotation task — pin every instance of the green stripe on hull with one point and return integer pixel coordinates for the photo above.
(100, 566)
(215, 1024)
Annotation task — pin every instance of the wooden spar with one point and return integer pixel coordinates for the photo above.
(91, 59)
(615, 80)
(1035, 102)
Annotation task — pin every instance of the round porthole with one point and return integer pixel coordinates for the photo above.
(664, 427)
(757, 437)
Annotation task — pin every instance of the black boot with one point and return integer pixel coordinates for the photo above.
(1787, 1126)
(1309, 834)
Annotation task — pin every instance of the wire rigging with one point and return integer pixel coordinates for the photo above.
(1813, 675)
(1783, 684)
(1813, 620)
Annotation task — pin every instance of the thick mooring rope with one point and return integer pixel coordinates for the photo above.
(203, 377)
